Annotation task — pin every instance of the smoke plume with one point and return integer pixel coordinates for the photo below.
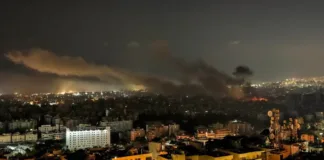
(193, 77)
(47, 62)
(40, 83)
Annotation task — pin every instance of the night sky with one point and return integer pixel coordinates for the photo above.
(276, 39)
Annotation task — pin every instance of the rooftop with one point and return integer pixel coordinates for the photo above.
(166, 156)
(217, 154)
(87, 128)
(243, 150)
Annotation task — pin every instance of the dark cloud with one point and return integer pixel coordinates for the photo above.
(196, 77)
(242, 72)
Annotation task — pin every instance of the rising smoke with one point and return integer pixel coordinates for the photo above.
(194, 78)
(40, 83)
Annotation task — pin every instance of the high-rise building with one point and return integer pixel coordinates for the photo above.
(87, 137)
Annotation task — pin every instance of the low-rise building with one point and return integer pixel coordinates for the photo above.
(30, 137)
(157, 129)
(22, 124)
(53, 136)
(17, 137)
(239, 154)
(213, 134)
(5, 138)
(45, 128)
(308, 138)
(50, 128)
(47, 136)
(135, 133)
(221, 133)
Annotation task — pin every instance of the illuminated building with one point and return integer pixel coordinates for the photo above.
(239, 154)
(150, 135)
(30, 137)
(221, 133)
(136, 133)
(155, 148)
(17, 137)
(5, 138)
(212, 134)
(158, 128)
(212, 156)
(201, 132)
(307, 137)
(87, 138)
(53, 136)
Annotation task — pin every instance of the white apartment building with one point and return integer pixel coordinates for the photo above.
(118, 126)
(87, 138)
(5, 138)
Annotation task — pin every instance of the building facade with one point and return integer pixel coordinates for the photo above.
(17, 138)
(238, 127)
(87, 138)
(22, 124)
(30, 137)
(5, 138)
(50, 128)
(136, 133)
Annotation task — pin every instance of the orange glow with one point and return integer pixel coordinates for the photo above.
(254, 99)
(137, 87)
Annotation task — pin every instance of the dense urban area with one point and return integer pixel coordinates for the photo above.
(280, 120)
(161, 80)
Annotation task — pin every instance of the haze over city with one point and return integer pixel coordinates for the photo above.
(67, 44)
